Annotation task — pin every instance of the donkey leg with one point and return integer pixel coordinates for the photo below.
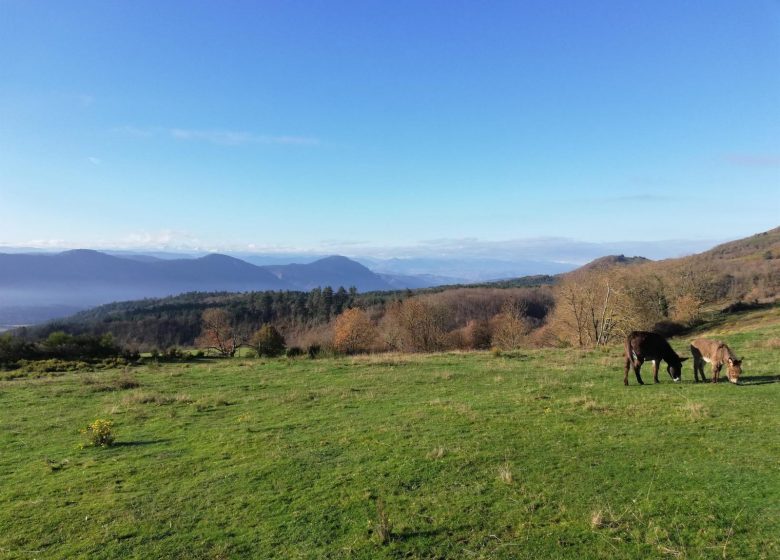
(700, 364)
(656, 363)
(625, 372)
(715, 373)
(637, 367)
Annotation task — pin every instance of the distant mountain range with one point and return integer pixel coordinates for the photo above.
(40, 286)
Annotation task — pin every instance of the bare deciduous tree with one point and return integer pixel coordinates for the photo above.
(217, 333)
(416, 325)
(511, 326)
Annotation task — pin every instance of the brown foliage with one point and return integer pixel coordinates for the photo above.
(594, 307)
(304, 337)
(416, 325)
(353, 332)
(512, 326)
(478, 334)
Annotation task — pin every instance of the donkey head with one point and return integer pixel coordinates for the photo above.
(675, 368)
(735, 370)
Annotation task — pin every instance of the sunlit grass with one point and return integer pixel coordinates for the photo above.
(532, 454)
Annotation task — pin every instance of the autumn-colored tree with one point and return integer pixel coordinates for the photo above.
(511, 326)
(594, 307)
(218, 333)
(478, 334)
(268, 341)
(353, 332)
(587, 308)
(416, 325)
(690, 284)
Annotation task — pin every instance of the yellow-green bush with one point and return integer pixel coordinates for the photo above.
(100, 433)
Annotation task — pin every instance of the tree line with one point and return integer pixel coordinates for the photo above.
(59, 345)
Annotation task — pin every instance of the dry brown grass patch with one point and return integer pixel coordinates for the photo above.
(694, 411)
(588, 404)
(386, 359)
(143, 397)
(505, 473)
(437, 453)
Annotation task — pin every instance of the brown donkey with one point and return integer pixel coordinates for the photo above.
(641, 346)
(717, 354)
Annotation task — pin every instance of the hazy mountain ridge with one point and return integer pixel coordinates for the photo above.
(47, 283)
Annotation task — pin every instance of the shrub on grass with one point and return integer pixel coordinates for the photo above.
(126, 380)
(294, 352)
(99, 433)
(268, 341)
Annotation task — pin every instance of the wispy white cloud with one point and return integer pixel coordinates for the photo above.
(217, 136)
(158, 240)
(47, 243)
(753, 160)
(636, 198)
(138, 131)
(94, 160)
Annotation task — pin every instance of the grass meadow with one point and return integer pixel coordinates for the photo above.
(532, 454)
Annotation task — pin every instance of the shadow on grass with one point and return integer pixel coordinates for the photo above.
(412, 534)
(759, 379)
(138, 442)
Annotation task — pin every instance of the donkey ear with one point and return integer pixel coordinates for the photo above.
(731, 362)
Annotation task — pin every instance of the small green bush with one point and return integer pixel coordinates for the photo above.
(268, 341)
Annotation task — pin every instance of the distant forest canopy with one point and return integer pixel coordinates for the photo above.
(593, 305)
(176, 321)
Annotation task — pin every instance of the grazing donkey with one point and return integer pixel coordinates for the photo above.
(716, 353)
(641, 346)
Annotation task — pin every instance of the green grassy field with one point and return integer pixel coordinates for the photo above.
(537, 454)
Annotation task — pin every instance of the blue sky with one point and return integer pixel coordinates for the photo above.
(387, 127)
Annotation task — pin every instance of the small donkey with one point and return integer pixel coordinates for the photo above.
(716, 353)
(641, 346)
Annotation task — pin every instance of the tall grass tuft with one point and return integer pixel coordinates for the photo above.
(505, 473)
(383, 529)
